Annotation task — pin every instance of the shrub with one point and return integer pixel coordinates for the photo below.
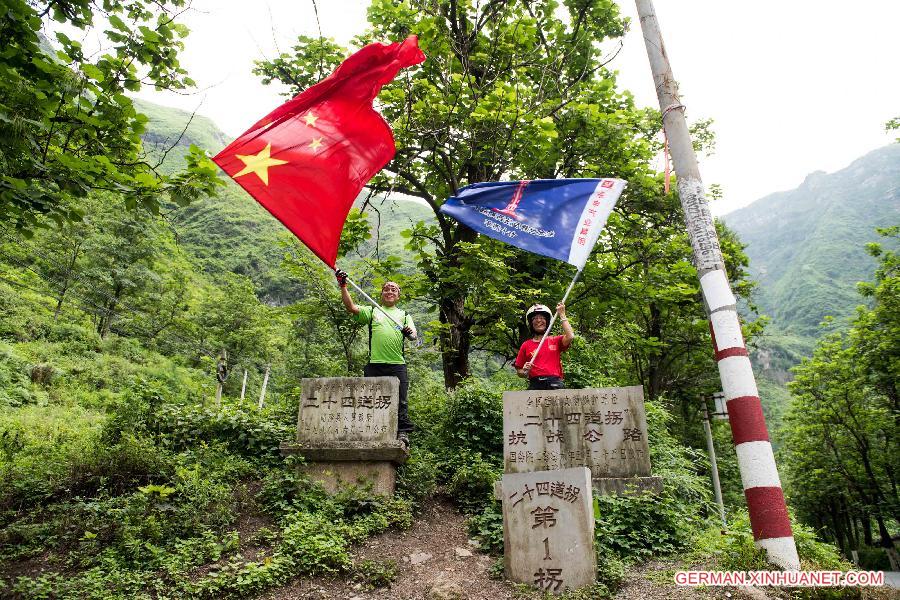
(134, 412)
(610, 575)
(133, 460)
(417, 479)
(285, 490)
(735, 550)
(472, 483)
(637, 527)
(487, 528)
(474, 420)
(873, 559)
(427, 408)
(38, 447)
(364, 514)
(310, 545)
(376, 573)
(640, 526)
(15, 385)
(245, 431)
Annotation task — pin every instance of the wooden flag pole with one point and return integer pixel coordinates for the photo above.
(553, 318)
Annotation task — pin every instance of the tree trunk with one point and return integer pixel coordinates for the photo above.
(839, 536)
(867, 530)
(885, 540)
(654, 360)
(853, 529)
(73, 258)
(59, 302)
(456, 337)
(109, 312)
(455, 342)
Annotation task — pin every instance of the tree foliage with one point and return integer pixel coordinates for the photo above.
(67, 125)
(514, 92)
(842, 434)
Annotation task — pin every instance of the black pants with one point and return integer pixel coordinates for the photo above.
(404, 425)
(547, 382)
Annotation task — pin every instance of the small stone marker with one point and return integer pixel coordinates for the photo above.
(347, 431)
(357, 409)
(602, 429)
(548, 529)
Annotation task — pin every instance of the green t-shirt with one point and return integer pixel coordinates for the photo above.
(387, 340)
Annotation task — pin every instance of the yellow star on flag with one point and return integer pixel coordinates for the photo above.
(259, 163)
(311, 119)
(315, 143)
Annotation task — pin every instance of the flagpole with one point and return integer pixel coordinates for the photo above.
(375, 304)
(553, 318)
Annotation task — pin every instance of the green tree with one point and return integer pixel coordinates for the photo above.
(231, 317)
(67, 127)
(893, 125)
(121, 254)
(876, 333)
(163, 308)
(842, 432)
(508, 91)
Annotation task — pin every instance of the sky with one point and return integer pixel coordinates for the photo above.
(792, 87)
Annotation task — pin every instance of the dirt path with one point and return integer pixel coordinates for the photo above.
(446, 565)
(437, 562)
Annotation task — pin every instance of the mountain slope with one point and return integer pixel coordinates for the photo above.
(807, 245)
(231, 232)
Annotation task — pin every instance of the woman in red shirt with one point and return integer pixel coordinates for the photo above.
(545, 373)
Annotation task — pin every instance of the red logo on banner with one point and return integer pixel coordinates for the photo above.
(510, 209)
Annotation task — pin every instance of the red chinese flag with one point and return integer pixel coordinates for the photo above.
(308, 159)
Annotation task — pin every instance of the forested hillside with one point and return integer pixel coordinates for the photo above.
(807, 247)
(815, 252)
(130, 270)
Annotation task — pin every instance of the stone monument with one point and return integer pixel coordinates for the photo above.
(347, 432)
(602, 429)
(548, 529)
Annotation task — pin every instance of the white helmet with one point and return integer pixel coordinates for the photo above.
(537, 309)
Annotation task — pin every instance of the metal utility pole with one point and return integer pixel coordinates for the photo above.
(711, 450)
(762, 486)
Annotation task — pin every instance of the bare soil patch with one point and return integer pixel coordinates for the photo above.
(438, 544)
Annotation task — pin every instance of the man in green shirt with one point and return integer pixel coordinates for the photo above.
(386, 357)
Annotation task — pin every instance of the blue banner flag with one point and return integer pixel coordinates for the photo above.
(559, 218)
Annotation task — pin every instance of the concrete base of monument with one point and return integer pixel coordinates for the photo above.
(626, 486)
(381, 476)
(351, 464)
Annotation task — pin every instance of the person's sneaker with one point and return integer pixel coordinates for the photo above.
(403, 438)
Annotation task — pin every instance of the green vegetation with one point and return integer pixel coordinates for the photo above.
(482, 108)
(122, 477)
(69, 128)
(841, 432)
(807, 246)
(807, 252)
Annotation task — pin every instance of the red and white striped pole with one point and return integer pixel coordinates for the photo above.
(762, 486)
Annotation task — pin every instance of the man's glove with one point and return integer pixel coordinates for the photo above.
(408, 333)
(341, 277)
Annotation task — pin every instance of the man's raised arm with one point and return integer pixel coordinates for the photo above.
(351, 307)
